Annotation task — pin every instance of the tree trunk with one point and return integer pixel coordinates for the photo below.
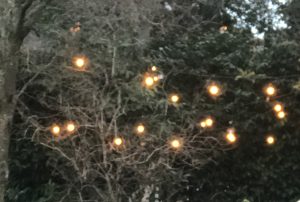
(8, 72)
(6, 113)
(11, 37)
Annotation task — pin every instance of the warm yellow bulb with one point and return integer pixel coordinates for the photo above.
(223, 29)
(80, 62)
(118, 141)
(209, 122)
(140, 129)
(176, 143)
(278, 107)
(174, 98)
(149, 81)
(270, 90)
(270, 140)
(71, 127)
(230, 136)
(154, 68)
(203, 124)
(155, 78)
(214, 90)
(281, 115)
(55, 130)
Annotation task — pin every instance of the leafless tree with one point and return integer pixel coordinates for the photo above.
(104, 101)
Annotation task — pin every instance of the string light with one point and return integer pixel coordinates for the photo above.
(281, 115)
(118, 141)
(55, 130)
(231, 136)
(176, 143)
(203, 124)
(223, 29)
(70, 127)
(270, 140)
(207, 123)
(154, 68)
(278, 107)
(270, 90)
(155, 78)
(148, 81)
(140, 129)
(174, 98)
(214, 90)
(80, 62)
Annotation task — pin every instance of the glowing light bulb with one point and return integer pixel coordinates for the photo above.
(140, 129)
(230, 136)
(203, 124)
(70, 127)
(80, 62)
(55, 130)
(148, 81)
(118, 141)
(223, 29)
(176, 144)
(270, 140)
(281, 115)
(154, 68)
(174, 98)
(155, 78)
(214, 90)
(270, 90)
(278, 107)
(209, 122)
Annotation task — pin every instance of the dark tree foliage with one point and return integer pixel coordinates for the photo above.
(252, 170)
